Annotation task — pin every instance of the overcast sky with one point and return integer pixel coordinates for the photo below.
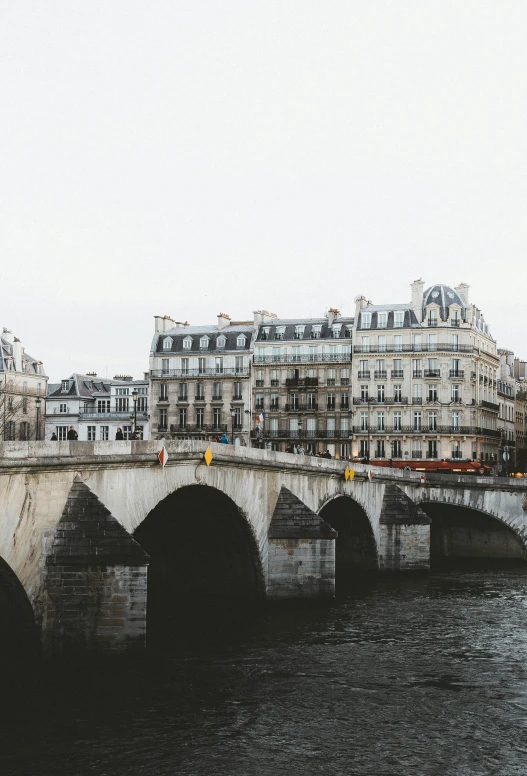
(187, 158)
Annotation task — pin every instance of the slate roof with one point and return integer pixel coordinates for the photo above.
(88, 387)
(289, 325)
(409, 319)
(178, 334)
(444, 296)
(6, 353)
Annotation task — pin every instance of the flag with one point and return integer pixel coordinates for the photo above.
(260, 418)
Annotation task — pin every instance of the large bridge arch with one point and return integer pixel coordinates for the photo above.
(356, 547)
(460, 530)
(203, 553)
(19, 637)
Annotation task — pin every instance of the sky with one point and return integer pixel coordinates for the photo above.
(191, 158)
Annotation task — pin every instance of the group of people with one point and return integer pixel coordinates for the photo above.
(299, 450)
(72, 435)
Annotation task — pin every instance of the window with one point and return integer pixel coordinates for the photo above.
(299, 332)
(417, 393)
(454, 317)
(380, 421)
(416, 449)
(187, 343)
(364, 421)
(216, 417)
(311, 401)
(316, 331)
(103, 405)
(237, 391)
(417, 342)
(365, 320)
(455, 421)
(91, 433)
(335, 330)
(185, 368)
(397, 367)
(162, 419)
(432, 421)
(62, 433)
(217, 391)
(379, 448)
(398, 319)
(432, 449)
(432, 342)
(365, 344)
(417, 421)
(455, 367)
(381, 344)
(127, 432)
(165, 369)
(364, 393)
(456, 396)
(240, 341)
(382, 320)
(220, 342)
(204, 343)
(344, 401)
(331, 401)
(456, 450)
(380, 393)
(183, 394)
(167, 343)
(63, 408)
(219, 365)
(239, 365)
(259, 401)
(182, 417)
(121, 404)
(279, 332)
(200, 392)
(397, 449)
(397, 392)
(202, 366)
(65, 386)
(364, 449)
(200, 417)
(397, 420)
(238, 418)
(39, 387)
(432, 317)
(397, 343)
(455, 342)
(417, 367)
(104, 433)
(433, 367)
(163, 391)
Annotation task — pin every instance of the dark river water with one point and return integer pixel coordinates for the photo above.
(399, 675)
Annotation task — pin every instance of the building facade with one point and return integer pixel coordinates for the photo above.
(200, 379)
(23, 390)
(425, 378)
(97, 408)
(302, 383)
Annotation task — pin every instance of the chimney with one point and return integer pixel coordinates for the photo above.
(462, 290)
(7, 334)
(263, 316)
(91, 374)
(417, 298)
(17, 354)
(223, 320)
(163, 323)
(124, 378)
(333, 313)
(360, 303)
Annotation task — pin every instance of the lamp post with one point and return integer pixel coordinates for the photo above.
(135, 394)
(233, 418)
(38, 402)
(299, 431)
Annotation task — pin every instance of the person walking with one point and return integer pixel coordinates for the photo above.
(225, 439)
(72, 434)
(54, 437)
(119, 435)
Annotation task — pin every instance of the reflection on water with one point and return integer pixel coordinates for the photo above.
(398, 675)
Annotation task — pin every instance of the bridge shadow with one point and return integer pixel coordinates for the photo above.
(205, 569)
(355, 548)
(462, 537)
(19, 637)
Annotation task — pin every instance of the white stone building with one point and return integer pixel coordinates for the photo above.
(97, 408)
(23, 386)
(425, 378)
(200, 379)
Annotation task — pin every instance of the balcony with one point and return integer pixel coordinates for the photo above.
(199, 398)
(196, 428)
(489, 405)
(182, 400)
(217, 397)
(454, 322)
(417, 373)
(444, 347)
(397, 373)
(290, 434)
(302, 358)
(344, 405)
(330, 405)
(258, 405)
(301, 382)
(458, 374)
(274, 407)
(206, 372)
(330, 381)
(364, 375)
(260, 383)
(344, 381)
(275, 383)
(384, 400)
(112, 415)
(381, 374)
(432, 373)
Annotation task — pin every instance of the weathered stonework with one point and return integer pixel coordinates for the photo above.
(301, 560)
(404, 533)
(96, 581)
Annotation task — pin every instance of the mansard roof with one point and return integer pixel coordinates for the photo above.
(178, 334)
(444, 296)
(289, 326)
(409, 319)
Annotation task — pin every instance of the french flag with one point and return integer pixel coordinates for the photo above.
(260, 418)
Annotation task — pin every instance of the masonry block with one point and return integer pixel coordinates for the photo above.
(96, 581)
(404, 533)
(301, 554)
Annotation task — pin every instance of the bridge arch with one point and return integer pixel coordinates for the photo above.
(19, 638)
(459, 530)
(356, 545)
(203, 554)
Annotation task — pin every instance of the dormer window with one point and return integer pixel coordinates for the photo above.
(265, 333)
(220, 342)
(316, 331)
(187, 343)
(240, 341)
(299, 332)
(279, 333)
(398, 319)
(204, 343)
(432, 317)
(336, 331)
(347, 331)
(167, 343)
(365, 320)
(382, 320)
(65, 386)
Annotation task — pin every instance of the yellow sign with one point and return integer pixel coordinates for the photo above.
(208, 456)
(352, 473)
(349, 474)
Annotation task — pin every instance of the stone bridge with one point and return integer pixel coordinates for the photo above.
(85, 525)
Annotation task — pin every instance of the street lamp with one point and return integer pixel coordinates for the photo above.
(135, 394)
(38, 402)
(233, 418)
(299, 430)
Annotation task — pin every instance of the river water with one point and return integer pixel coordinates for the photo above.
(399, 675)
